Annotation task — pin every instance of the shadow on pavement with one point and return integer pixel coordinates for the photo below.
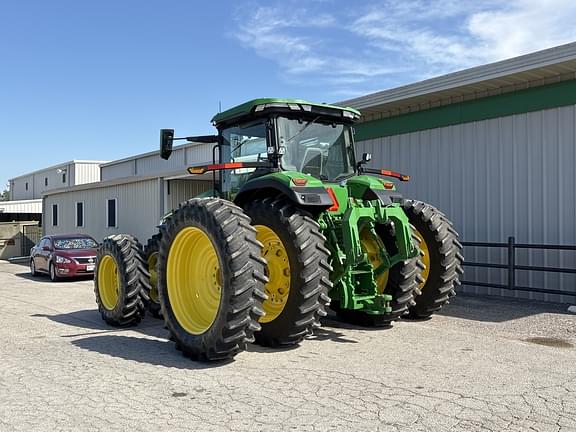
(44, 278)
(324, 333)
(142, 350)
(497, 309)
(90, 319)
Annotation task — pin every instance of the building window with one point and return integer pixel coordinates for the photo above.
(79, 214)
(111, 213)
(26, 185)
(45, 181)
(54, 214)
(63, 177)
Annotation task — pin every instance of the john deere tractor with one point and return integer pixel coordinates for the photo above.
(294, 224)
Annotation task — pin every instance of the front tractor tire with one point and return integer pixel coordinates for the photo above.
(118, 280)
(211, 279)
(298, 271)
(441, 255)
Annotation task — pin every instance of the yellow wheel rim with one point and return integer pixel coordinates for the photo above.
(278, 287)
(194, 280)
(372, 245)
(108, 282)
(425, 256)
(152, 269)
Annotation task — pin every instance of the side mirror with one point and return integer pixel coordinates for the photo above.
(166, 140)
(46, 248)
(366, 157)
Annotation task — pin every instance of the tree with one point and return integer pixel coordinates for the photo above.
(5, 196)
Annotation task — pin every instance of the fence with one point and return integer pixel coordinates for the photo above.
(31, 235)
(511, 266)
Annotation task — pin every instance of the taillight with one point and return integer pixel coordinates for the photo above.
(335, 204)
(299, 181)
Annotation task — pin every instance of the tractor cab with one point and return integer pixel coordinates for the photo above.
(273, 135)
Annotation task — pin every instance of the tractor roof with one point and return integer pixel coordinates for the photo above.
(286, 105)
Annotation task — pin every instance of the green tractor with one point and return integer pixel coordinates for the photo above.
(294, 224)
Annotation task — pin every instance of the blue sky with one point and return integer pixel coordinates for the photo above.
(97, 80)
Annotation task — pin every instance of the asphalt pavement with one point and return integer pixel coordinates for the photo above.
(480, 365)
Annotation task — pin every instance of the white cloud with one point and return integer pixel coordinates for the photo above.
(391, 42)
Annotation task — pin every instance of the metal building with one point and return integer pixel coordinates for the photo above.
(33, 185)
(132, 196)
(494, 147)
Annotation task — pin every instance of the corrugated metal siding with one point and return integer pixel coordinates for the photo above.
(152, 164)
(117, 170)
(199, 154)
(54, 182)
(86, 173)
(76, 173)
(24, 206)
(18, 188)
(182, 190)
(510, 176)
(137, 206)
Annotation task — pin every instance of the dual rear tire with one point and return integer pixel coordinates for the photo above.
(210, 279)
(118, 280)
(229, 276)
(441, 254)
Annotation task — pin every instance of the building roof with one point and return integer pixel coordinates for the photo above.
(60, 165)
(530, 70)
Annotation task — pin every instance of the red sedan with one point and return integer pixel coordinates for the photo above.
(64, 255)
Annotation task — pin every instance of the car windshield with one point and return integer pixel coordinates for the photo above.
(75, 243)
(323, 150)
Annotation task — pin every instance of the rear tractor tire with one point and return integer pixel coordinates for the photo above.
(211, 279)
(441, 255)
(120, 268)
(151, 253)
(297, 268)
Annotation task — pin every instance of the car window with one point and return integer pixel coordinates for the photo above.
(43, 242)
(75, 243)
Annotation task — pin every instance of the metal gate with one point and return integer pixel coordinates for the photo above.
(31, 235)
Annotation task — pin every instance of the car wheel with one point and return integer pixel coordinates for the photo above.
(33, 268)
(53, 276)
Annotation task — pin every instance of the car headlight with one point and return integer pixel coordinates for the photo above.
(62, 260)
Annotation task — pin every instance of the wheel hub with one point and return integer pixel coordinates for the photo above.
(108, 281)
(278, 270)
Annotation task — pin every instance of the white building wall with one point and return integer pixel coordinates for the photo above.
(138, 205)
(82, 173)
(116, 170)
(152, 164)
(182, 190)
(510, 176)
(18, 190)
(21, 206)
(76, 172)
